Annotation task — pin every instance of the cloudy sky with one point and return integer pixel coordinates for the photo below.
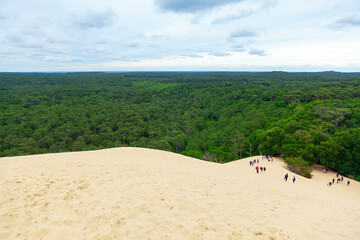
(179, 35)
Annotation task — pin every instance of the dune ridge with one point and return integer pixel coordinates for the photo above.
(135, 193)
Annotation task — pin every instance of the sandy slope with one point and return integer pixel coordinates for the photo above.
(134, 193)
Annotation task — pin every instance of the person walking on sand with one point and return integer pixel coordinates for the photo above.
(257, 169)
(348, 182)
(294, 179)
(286, 177)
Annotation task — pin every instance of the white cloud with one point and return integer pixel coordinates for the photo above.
(244, 33)
(191, 5)
(95, 19)
(347, 22)
(258, 52)
(235, 16)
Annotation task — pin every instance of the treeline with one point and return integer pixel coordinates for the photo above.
(212, 116)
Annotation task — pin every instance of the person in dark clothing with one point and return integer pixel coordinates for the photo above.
(294, 179)
(348, 182)
(264, 169)
(286, 177)
(333, 180)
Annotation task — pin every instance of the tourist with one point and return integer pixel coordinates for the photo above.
(286, 177)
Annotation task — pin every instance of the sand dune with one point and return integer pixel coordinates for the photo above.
(134, 193)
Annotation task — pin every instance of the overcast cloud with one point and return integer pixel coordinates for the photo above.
(258, 52)
(243, 33)
(93, 19)
(191, 5)
(231, 17)
(219, 35)
(347, 22)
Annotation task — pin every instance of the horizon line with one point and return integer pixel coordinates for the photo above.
(185, 71)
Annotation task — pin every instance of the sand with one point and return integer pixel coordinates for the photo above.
(135, 193)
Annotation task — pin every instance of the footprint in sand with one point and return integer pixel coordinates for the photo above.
(235, 235)
(259, 233)
(39, 194)
(68, 197)
(82, 187)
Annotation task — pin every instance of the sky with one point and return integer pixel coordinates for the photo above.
(179, 35)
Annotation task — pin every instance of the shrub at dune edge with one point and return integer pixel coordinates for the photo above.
(299, 166)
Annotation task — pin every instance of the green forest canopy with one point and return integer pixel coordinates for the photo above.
(217, 116)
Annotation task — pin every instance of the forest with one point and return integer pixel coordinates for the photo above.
(215, 116)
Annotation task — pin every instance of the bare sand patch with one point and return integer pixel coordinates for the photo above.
(135, 193)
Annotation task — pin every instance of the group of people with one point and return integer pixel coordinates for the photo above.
(261, 169)
(339, 179)
(252, 163)
(287, 176)
(257, 168)
(268, 157)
